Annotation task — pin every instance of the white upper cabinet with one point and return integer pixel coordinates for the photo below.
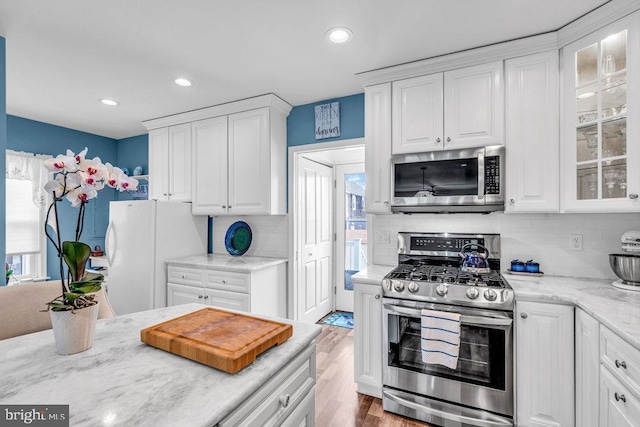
(377, 134)
(235, 155)
(170, 163)
(532, 133)
(456, 109)
(601, 120)
(418, 114)
(210, 186)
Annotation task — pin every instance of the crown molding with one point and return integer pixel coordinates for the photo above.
(490, 53)
(596, 19)
(269, 100)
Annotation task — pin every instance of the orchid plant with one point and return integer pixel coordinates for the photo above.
(79, 180)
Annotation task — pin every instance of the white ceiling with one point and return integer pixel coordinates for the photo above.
(63, 55)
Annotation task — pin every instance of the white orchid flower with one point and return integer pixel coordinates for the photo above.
(93, 173)
(78, 157)
(115, 175)
(80, 195)
(58, 184)
(127, 183)
(61, 163)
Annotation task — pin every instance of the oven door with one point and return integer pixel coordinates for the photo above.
(483, 378)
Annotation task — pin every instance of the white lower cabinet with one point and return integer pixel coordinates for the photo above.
(545, 364)
(367, 320)
(260, 291)
(587, 369)
(287, 399)
(618, 406)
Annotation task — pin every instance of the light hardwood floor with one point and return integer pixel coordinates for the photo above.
(337, 402)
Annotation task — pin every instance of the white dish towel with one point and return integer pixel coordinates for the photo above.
(440, 338)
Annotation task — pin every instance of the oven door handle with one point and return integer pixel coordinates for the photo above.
(447, 415)
(470, 320)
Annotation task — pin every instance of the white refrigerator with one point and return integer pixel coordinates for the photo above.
(141, 236)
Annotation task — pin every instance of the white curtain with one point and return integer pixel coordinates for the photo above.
(26, 201)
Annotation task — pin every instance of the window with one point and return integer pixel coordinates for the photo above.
(25, 212)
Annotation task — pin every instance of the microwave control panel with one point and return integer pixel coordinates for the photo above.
(492, 175)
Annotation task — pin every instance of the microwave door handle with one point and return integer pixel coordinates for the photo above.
(464, 319)
(481, 175)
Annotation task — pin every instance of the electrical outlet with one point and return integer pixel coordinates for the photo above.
(382, 237)
(575, 242)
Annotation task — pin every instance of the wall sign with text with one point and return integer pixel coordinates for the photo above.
(328, 120)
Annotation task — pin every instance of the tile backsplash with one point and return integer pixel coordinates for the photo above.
(270, 234)
(542, 237)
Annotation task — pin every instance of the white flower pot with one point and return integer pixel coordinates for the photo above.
(74, 331)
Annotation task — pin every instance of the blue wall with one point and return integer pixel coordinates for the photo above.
(132, 152)
(301, 121)
(3, 145)
(42, 138)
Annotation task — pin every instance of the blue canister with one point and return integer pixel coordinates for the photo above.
(517, 265)
(532, 267)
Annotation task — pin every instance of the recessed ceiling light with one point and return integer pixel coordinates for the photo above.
(339, 35)
(180, 81)
(109, 102)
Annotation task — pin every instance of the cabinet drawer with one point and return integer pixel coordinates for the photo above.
(618, 406)
(227, 281)
(621, 358)
(224, 299)
(274, 402)
(184, 276)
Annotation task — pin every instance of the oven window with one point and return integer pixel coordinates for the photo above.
(458, 177)
(481, 359)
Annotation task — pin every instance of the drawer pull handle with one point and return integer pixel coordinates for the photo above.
(184, 277)
(200, 297)
(620, 397)
(224, 281)
(619, 364)
(284, 400)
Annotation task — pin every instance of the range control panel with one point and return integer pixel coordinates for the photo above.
(441, 243)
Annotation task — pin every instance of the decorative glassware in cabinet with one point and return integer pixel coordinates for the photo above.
(601, 122)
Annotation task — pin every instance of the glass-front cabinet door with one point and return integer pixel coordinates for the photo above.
(600, 146)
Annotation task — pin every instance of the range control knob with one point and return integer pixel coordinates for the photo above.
(490, 295)
(472, 292)
(398, 286)
(442, 289)
(386, 283)
(413, 287)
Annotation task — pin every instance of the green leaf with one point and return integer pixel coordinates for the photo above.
(88, 289)
(75, 255)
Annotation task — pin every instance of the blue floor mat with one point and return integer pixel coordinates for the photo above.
(339, 318)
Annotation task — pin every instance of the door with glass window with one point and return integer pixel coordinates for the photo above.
(351, 230)
(602, 110)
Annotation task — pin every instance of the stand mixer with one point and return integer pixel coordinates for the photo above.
(627, 265)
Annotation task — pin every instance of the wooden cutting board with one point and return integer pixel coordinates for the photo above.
(217, 338)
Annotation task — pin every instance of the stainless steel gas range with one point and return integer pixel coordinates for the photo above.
(479, 391)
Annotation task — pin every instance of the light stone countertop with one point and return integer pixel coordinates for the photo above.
(240, 264)
(121, 381)
(617, 309)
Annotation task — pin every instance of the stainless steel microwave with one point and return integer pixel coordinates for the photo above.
(467, 180)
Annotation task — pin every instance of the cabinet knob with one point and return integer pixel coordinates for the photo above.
(284, 400)
(183, 276)
(229, 206)
(512, 201)
(621, 364)
(224, 281)
(438, 140)
(200, 297)
(633, 196)
(224, 207)
(386, 203)
(448, 139)
(164, 194)
(619, 397)
(377, 296)
(524, 315)
(206, 297)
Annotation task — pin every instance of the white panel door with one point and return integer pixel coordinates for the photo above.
(533, 126)
(474, 106)
(417, 114)
(249, 168)
(545, 364)
(367, 325)
(180, 163)
(159, 164)
(315, 279)
(587, 369)
(210, 166)
(618, 406)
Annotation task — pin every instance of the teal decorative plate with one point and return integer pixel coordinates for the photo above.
(238, 238)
